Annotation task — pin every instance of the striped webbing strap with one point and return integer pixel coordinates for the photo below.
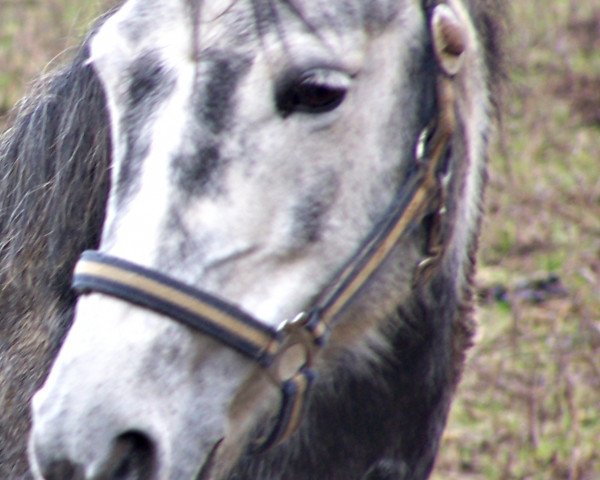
(418, 197)
(98, 272)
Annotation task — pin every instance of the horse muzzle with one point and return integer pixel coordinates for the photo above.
(141, 399)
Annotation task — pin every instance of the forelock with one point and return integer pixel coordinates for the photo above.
(315, 14)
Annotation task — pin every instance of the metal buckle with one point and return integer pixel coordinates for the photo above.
(292, 374)
(296, 351)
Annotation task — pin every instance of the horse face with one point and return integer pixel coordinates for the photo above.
(255, 145)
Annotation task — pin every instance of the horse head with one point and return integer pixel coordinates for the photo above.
(273, 158)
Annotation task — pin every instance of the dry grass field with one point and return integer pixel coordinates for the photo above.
(529, 405)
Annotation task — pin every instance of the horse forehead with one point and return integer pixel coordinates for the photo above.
(142, 25)
(234, 21)
(179, 33)
(147, 37)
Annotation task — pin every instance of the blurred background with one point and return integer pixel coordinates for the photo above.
(529, 403)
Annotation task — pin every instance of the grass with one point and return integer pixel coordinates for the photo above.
(34, 36)
(529, 403)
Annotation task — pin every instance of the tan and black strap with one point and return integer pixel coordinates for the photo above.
(97, 272)
(418, 197)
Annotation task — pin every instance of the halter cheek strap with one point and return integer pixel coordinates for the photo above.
(268, 347)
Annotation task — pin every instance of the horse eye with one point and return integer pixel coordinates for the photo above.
(315, 91)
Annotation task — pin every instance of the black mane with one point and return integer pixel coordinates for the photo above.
(53, 187)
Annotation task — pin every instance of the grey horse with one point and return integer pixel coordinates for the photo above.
(259, 161)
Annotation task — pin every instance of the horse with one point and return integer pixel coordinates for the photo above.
(271, 209)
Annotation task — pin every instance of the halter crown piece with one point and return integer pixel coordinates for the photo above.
(420, 196)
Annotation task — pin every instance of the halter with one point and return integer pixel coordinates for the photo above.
(309, 332)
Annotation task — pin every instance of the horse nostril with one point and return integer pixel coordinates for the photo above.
(63, 470)
(132, 458)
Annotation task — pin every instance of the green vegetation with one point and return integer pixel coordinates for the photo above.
(529, 405)
(34, 36)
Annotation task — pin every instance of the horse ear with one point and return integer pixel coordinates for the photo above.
(449, 38)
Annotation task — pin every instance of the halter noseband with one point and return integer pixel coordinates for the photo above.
(268, 347)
